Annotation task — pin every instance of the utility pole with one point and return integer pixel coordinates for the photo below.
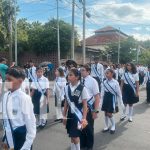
(10, 31)
(84, 20)
(58, 33)
(16, 50)
(137, 54)
(72, 36)
(119, 47)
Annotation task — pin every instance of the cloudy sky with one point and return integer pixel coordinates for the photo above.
(131, 16)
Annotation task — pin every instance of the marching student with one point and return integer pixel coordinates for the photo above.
(18, 118)
(32, 72)
(147, 81)
(40, 97)
(113, 67)
(75, 108)
(97, 71)
(25, 87)
(111, 96)
(87, 135)
(59, 85)
(130, 89)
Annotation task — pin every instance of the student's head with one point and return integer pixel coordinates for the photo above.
(96, 59)
(39, 72)
(109, 73)
(85, 70)
(14, 78)
(131, 68)
(3, 60)
(71, 64)
(148, 67)
(113, 66)
(74, 76)
(31, 63)
(59, 72)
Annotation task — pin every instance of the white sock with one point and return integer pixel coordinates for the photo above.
(124, 112)
(73, 147)
(131, 111)
(112, 120)
(106, 123)
(77, 146)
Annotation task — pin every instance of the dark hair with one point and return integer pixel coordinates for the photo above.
(148, 66)
(133, 68)
(96, 58)
(76, 72)
(61, 72)
(87, 67)
(39, 68)
(3, 59)
(70, 63)
(16, 73)
(112, 72)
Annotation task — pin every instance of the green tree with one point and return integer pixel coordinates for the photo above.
(144, 57)
(127, 50)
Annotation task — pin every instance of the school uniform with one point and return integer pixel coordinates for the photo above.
(74, 96)
(110, 95)
(39, 98)
(120, 74)
(147, 81)
(32, 74)
(129, 88)
(97, 72)
(26, 86)
(18, 120)
(58, 91)
(87, 135)
(141, 74)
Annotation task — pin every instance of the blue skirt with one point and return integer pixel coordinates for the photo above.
(72, 125)
(108, 104)
(128, 95)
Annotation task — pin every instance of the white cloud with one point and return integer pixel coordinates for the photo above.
(33, 1)
(137, 28)
(141, 37)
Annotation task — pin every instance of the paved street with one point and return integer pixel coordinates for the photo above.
(129, 136)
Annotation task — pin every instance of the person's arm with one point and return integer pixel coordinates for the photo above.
(65, 113)
(30, 122)
(137, 88)
(84, 109)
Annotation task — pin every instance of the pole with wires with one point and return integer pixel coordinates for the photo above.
(16, 50)
(119, 47)
(58, 33)
(72, 36)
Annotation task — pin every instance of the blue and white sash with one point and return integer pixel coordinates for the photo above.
(110, 89)
(90, 103)
(74, 109)
(148, 76)
(96, 72)
(130, 82)
(31, 76)
(8, 137)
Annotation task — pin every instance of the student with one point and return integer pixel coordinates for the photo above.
(111, 95)
(32, 72)
(97, 71)
(147, 81)
(59, 85)
(87, 135)
(130, 89)
(76, 108)
(40, 97)
(18, 117)
(3, 68)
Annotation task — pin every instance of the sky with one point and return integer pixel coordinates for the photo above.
(131, 16)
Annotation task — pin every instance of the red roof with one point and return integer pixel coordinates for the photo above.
(100, 38)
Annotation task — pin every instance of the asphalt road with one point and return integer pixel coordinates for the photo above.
(128, 136)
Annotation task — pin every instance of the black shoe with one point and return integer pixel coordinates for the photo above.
(112, 131)
(123, 118)
(58, 120)
(105, 131)
(43, 125)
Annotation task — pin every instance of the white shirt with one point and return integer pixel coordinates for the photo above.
(120, 72)
(25, 85)
(41, 84)
(100, 70)
(92, 86)
(134, 77)
(59, 86)
(32, 71)
(115, 85)
(20, 110)
(147, 77)
(84, 94)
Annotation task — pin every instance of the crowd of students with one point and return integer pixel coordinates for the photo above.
(80, 94)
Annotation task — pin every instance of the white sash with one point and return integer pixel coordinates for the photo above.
(96, 72)
(59, 92)
(90, 103)
(148, 76)
(129, 81)
(30, 75)
(8, 126)
(74, 109)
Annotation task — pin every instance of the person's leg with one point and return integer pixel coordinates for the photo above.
(123, 116)
(76, 142)
(130, 112)
(106, 123)
(112, 120)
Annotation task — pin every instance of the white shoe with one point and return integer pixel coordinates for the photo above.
(130, 119)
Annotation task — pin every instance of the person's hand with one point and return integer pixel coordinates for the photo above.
(84, 123)
(64, 121)
(94, 115)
